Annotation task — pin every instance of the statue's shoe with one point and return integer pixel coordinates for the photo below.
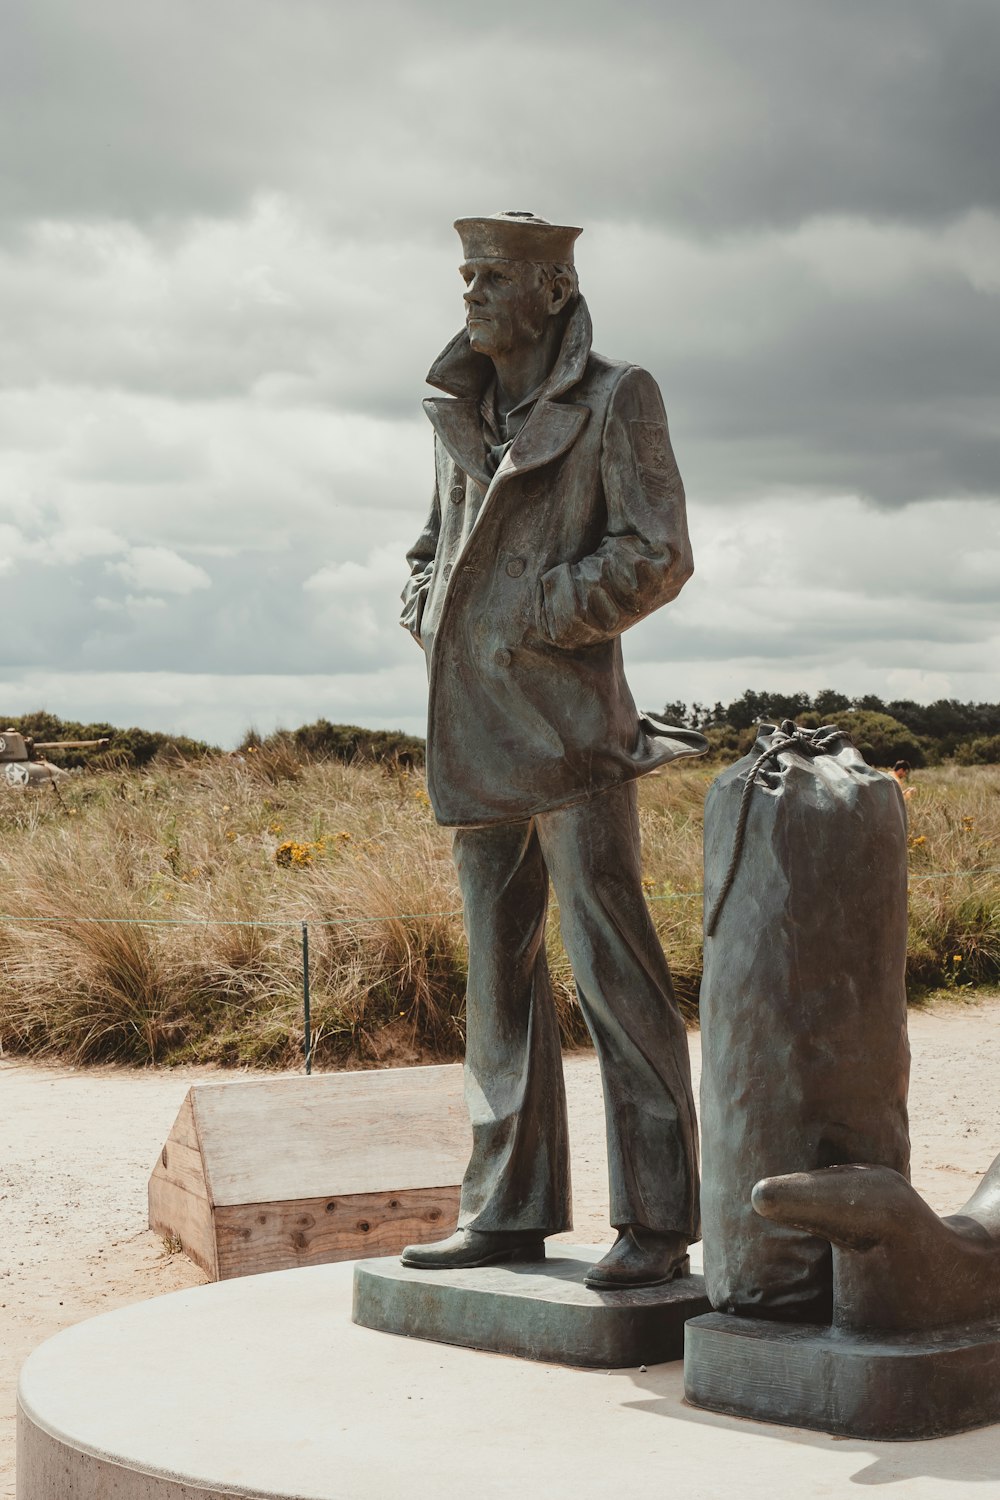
(639, 1257)
(475, 1247)
(896, 1264)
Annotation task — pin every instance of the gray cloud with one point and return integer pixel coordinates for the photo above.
(712, 114)
(226, 262)
(842, 354)
(845, 354)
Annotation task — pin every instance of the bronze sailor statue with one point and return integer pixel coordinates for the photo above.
(557, 521)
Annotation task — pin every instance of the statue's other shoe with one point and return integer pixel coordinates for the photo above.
(475, 1247)
(640, 1257)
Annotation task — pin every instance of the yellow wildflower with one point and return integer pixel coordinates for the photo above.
(293, 854)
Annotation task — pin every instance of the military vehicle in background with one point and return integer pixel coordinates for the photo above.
(23, 763)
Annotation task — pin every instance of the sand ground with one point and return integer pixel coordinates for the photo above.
(77, 1146)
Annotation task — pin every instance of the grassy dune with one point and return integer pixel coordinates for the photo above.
(355, 850)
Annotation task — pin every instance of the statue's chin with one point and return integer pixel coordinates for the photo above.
(481, 339)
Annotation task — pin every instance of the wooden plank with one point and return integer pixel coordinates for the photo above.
(184, 1130)
(184, 1166)
(336, 1134)
(178, 1192)
(280, 1235)
(184, 1216)
(260, 1175)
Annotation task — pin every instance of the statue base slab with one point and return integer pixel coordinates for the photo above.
(262, 1386)
(539, 1310)
(881, 1386)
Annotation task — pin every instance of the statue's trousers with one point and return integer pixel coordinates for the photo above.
(518, 1177)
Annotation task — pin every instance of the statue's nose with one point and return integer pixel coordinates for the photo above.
(475, 290)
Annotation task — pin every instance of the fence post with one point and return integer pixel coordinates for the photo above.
(306, 1016)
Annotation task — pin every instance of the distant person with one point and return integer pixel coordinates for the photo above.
(901, 770)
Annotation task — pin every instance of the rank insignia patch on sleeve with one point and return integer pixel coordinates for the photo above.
(652, 448)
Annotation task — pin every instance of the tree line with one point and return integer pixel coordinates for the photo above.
(924, 734)
(134, 748)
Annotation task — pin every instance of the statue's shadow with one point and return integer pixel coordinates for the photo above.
(968, 1457)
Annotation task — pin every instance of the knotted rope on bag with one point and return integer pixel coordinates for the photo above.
(810, 742)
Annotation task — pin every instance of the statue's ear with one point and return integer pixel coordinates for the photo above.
(561, 293)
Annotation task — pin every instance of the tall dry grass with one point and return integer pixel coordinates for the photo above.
(954, 818)
(239, 854)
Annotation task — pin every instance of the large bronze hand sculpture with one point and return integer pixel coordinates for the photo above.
(896, 1265)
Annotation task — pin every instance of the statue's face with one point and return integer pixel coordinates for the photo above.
(507, 304)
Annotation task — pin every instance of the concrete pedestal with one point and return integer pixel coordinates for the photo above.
(537, 1311)
(886, 1386)
(263, 1387)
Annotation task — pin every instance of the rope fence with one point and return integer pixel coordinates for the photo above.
(304, 923)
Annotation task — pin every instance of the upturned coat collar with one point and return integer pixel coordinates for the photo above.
(550, 429)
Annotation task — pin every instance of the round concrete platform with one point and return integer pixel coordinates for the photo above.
(263, 1387)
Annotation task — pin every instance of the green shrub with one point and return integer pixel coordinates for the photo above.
(984, 751)
(346, 742)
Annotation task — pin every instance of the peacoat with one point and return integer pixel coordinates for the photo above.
(523, 582)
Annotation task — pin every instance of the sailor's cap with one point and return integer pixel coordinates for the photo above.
(517, 235)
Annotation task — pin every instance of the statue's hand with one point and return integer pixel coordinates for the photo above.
(414, 598)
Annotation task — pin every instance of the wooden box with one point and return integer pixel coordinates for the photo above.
(266, 1175)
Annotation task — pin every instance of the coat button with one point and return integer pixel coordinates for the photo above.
(515, 567)
(502, 657)
(457, 494)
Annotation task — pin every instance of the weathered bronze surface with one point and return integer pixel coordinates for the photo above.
(557, 521)
(536, 1311)
(805, 1059)
(843, 1303)
(876, 1386)
(914, 1346)
(897, 1266)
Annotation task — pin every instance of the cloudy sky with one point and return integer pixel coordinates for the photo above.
(226, 262)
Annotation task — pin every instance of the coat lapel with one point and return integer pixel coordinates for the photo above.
(548, 432)
(551, 428)
(456, 422)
